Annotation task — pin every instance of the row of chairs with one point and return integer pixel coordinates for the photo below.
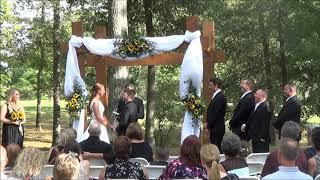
(153, 171)
(253, 157)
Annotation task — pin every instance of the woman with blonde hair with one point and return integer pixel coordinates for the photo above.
(66, 167)
(29, 164)
(12, 116)
(210, 157)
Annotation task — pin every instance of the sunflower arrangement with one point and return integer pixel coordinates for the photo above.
(17, 117)
(194, 104)
(132, 47)
(76, 102)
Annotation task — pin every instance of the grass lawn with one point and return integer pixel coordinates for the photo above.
(35, 138)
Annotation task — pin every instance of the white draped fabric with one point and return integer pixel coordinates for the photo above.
(78, 125)
(191, 67)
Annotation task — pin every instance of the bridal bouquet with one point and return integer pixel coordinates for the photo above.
(17, 117)
(76, 102)
(132, 47)
(194, 104)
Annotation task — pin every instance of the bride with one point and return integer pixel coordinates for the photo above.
(97, 113)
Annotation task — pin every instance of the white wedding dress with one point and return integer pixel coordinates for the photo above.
(104, 133)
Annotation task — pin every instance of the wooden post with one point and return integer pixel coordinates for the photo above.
(101, 68)
(77, 30)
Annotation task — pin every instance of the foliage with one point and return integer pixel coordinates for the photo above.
(194, 104)
(76, 102)
(132, 47)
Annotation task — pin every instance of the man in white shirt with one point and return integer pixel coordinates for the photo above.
(287, 154)
(243, 109)
(258, 123)
(291, 110)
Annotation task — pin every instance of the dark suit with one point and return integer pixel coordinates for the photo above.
(290, 111)
(241, 115)
(127, 116)
(138, 102)
(258, 128)
(215, 118)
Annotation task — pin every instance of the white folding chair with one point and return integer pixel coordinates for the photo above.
(171, 158)
(222, 157)
(317, 177)
(154, 171)
(95, 171)
(257, 157)
(47, 171)
(97, 162)
(255, 168)
(142, 161)
(249, 178)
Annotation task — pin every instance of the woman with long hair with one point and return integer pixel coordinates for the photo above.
(97, 113)
(188, 165)
(210, 157)
(12, 116)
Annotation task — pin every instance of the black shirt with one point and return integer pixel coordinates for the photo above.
(143, 150)
(94, 145)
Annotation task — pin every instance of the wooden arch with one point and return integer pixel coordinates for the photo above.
(101, 63)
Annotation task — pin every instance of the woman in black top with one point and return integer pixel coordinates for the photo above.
(13, 117)
(230, 146)
(139, 147)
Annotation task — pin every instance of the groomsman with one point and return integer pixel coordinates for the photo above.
(291, 110)
(258, 123)
(216, 112)
(243, 109)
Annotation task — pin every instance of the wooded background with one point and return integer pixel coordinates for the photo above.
(272, 41)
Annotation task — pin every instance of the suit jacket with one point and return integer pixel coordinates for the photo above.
(241, 114)
(216, 112)
(140, 107)
(259, 122)
(129, 114)
(137, 101)
(290, 111)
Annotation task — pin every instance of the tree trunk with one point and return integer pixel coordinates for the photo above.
(40, 64)
(56, 71)
(283, 60)
(267, 67)
(149, 129)
(117, 76)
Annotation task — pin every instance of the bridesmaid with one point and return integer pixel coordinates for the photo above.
(12, 116)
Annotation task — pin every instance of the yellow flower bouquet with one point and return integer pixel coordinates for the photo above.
(132, 47)
(194, 104)
(76, 102)
(17, 117)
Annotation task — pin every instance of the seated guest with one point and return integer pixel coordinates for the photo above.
(244, 148)
(310, 151)
(74, 147)
(66, 166)
(314, 162)
(3, 162)
(210, 158)
(64, 137)
(287, 154)
(122, 167)
(29, 164)
(290, 130)
(140, 148)
(188, 165)
(93, 147)
(13, 150)
(161, 157)
(230, 146)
